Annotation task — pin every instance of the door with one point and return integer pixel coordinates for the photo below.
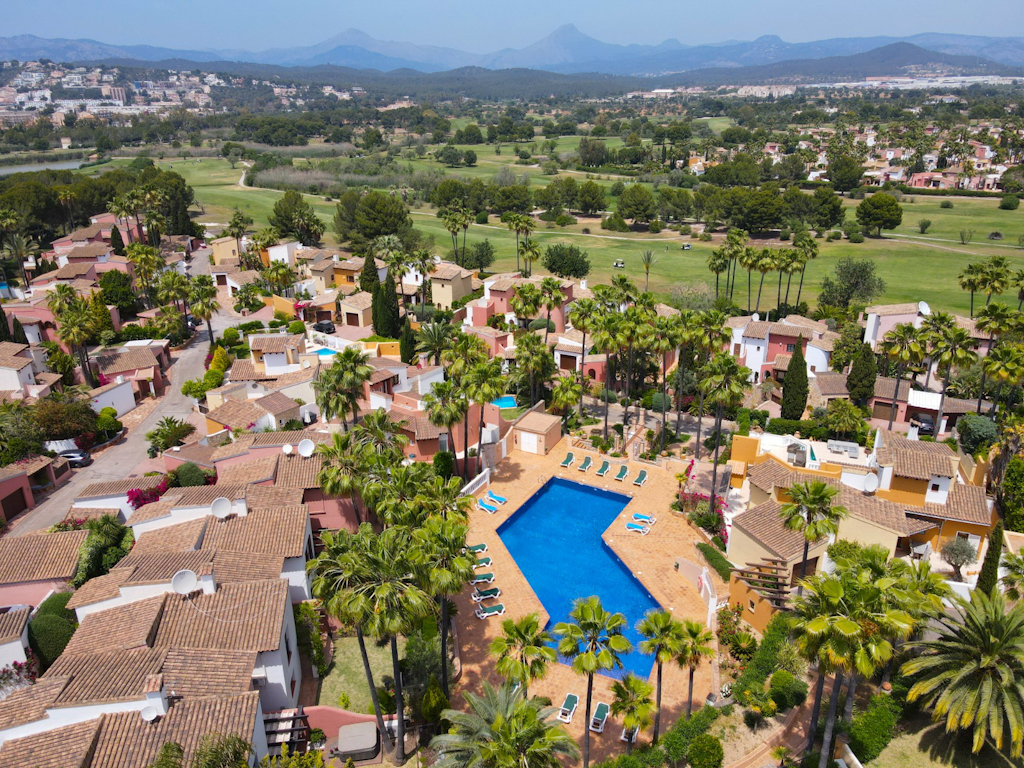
(881, 411)
(528, 442)
(14, 503)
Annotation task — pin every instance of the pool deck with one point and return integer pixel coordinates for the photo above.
(651, 558)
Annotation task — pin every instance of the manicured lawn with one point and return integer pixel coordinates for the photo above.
(926, 745)
(346, 673)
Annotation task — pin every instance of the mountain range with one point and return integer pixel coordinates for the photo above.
(567, 50)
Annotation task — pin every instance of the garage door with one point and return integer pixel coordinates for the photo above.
(15, 502)
(528, 442)
(881, 411)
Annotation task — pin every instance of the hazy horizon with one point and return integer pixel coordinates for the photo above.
(467, 26)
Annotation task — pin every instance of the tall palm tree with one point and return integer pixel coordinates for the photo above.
(339, 388)
(1005, 365)
(216, 750)
(19, 248)
(342, 472)
(695, 648)
(608, 339)
(527, 301)
(902, 345)
(636, 333)
(525, 225)
(445, 407)
(502, 728)
(723, 384)
(582, 317)
(424, 263)
(381, 436)
(523, 651)
(648, 260)
(146, 264)
(767, 261)
(809, 251)
(995, 277)
(551, 291)
(174, 288)
(631, 700)
(512, 222)
(668, 336)
(76, 331)
(932, 328)
(749, 260)
(663, 639)
(279, 277)
(203, 301)
(452, 221)
(340, 573)
(566, 395)
(810, 511)
(1017, 281)
(711, 335)
(447, 567)
(970, 674)
(971, 279)
(995, 320)
(952, 349)
(529, 251)
(718, 262)
(237, 227)
(593, 641)
(433, 338)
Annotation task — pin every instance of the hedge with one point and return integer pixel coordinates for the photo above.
(716, 560)
(786, 690)
(48, 636)
(766, 659)
(674, 746)
(57, 605)
(790, 426)
(705, 752)
(873, 729)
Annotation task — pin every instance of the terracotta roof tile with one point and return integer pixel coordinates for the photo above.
(200, 673)
(764, 525)
(272, 531)
(830, 383)
(118, 487)
(275, 343)
(916, 459)
(244, 370)
(132, 359)
(94, 678)
(250, 471)
(121, 628)
(237, 414)
(172, 538)
(26, 705)
(40, 556)
(68, 747)
(12, 623)
(298, 471)
(267, 496)
(886, 310)
(357, 301)
(277, 403)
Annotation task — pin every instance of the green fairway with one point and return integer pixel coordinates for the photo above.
(914, 269)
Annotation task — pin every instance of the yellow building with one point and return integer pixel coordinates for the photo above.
(223, 248)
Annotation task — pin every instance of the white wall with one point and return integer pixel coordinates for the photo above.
(109, 502)
(816, 358)
(279, 670)
(11, 379)
(277, 363)
(939, 496)
(121, 398)
(14, 651)
(298, 579)
(755, 350)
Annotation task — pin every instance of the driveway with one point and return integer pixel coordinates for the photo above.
(118, 461)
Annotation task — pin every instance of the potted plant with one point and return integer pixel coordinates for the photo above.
(317, 738)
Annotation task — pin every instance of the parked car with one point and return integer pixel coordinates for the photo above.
(77, 458)
(324, 326)
(618, 264)
(926, 424)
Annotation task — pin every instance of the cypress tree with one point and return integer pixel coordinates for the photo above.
(990, 568)
(407, 344)
(375, 310)
(794, 386)
(860, 382)
(368, 278)
(18, 333)
(5, 329)
(390, 319)
(116, 243)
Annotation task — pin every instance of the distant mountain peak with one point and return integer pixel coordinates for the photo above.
(770, 40)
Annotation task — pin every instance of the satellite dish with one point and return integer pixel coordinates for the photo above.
(184, 582)
(149, 714)
(305, 364)
(306, 448)
(871, 483)
(221, 507)
(286, 449)
(755, 317)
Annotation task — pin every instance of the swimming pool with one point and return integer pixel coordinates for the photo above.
(555, 538)
(325, 352)
(506, 401)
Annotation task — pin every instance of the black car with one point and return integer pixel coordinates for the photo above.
(926, 424)
(324, 326)
(77, 458)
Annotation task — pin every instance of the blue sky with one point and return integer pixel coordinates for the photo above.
(481, 26)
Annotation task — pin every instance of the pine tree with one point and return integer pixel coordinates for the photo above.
(18, 333)
(100, 316)
(390, 321)
(5, 329)
(368, 278)
(407, 344)
(860, 382)
(116, 243)
(794, 386)
(990, 568)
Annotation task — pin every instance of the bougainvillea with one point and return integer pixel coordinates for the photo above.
(139, 497)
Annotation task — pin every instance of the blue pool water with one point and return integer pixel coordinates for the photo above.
(325, 352)
(506, 401)
(555, 538)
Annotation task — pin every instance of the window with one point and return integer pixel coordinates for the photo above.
(963, 535)
(736, 349)
(814, 368)
(790, 347)
(751, 606)
(935, 487)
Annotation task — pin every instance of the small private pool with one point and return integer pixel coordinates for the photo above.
(555, 538)
(505, 401)
(325, 352)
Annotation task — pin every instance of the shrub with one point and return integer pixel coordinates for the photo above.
(434, 702)
(677, 740)
(844, 549)
(190, 474)
(743, 645)
(705, 237)
(57, 605)
(654, 227)
(923, 224)
(1009, 203)
(482, 217)
(251, 326)
(873, 729)
(765, 661)
(784, 234)
(946, 204)
(790, 426)
(976, 433)
(541, 322)
(856, 237)
(444, 464)
(786, 690)
(995, 235)
(716, 560)
(565, 220)
(48, 635)
(230, 336)
(614, 223)
(705, 752)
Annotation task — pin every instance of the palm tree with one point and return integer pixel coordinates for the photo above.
(582, 317)
(523, 651)
(810, 511)
(524, 225)
(664, 637)
(809, 250)
(512, 222)
(995, 320)
(971, 673)
(433, 338)
(19, 248)
(203, 301)
(339, 388)
(635, 330)
(237, 227)
(75, 331)
(447, 567)
(551, 291)
(279, 277)
(1004, 364)
(723, 383)
(648, 260)
(501, 728)
(593, 641)
(695, 647)
(767, 261)
(995, 277)
(381, 436)
(953, 349)
(174, 288)
(632, 702)
(971, 279)
(452, 221)
(1017, 281)
(216, 750)
(932, 327)
(668, 337)
(529, 251)
(902, 345)
(608, 339)
(1013, 579)
(566, 396)
(342, 472)
(485, 383)
(718, 262)
(446, 407)
(527, 301)
(423, 262)
(147, 264)
(340, 572)
(749, 260)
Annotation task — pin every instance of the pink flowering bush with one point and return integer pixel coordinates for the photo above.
(19, 672)
(139, 497)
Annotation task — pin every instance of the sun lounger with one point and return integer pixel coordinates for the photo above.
(645, 519)
(486, 507)
(483, 578)
(492, 496)
(485, 612)
(479, 549)
(643, 530)
(485, 594)
(623, 471)
(605, 466)
(628, 736)
(572, 701)
(568, 460)
(641, 478)
(483, 562)
(597, 722)
(587, 461)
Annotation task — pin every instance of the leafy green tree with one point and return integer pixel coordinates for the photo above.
(845, 173)
(843, 417)
(450, 156)
(293, 217)
(860, 382)
(794, 385)
(853, 282)
(637, 203)
(989, 576)
(116, 242)
(879, 211)
(387, 321)
(116, 288)
(361, 219)
(480, 255)
(959, 552)
(590, 198)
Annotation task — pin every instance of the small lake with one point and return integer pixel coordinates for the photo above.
(59, 165)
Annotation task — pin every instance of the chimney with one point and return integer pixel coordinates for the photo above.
(208, 581)
(583, 284)
(156, 696)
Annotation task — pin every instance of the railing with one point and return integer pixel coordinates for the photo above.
(478, 483)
